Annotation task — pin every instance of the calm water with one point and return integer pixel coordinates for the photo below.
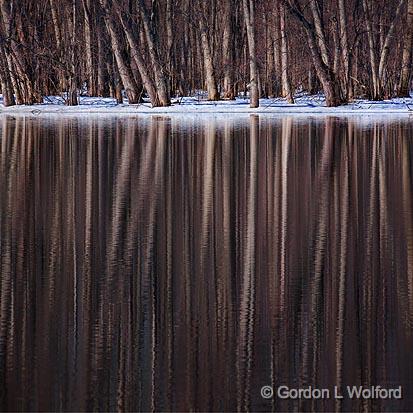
(163, 264)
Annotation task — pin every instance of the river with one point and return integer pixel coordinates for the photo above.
(183, 263)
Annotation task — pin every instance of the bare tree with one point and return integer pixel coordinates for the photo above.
(151, 49)
(125, 72)
(5, 78)
(90, 56)
(131, 30)
(406, 72)
(5, 81)
(286, 84)
(152, 42)
(227, 50)
(345, 49)
(210, 77)
(379, 53)
(72, 97)
(316, 39)
(249, 23)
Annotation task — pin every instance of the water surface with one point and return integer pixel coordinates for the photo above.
(170, 264)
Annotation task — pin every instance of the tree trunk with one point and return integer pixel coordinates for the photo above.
(5, 81)
(387, 43)
(249, 23)
(117, 84)
(406, 72)
(270, 62)
(89, 61)
(210, 79)
(72, 97)
(131, 35)
(337, 52)
(286, 85)
(151, 38)
(101, 64)
(376, 95)
(56, 24)
(319, 29)
(331, 86)
(345, 49)
(18, 74)
(312, 81)
(378, 68)
(170, 47)
(125, 72)
(227, 44)
(5, 32)
(277, 55)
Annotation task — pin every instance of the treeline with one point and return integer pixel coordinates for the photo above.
(165, 48)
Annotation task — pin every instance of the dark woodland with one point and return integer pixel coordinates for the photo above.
(163, 49)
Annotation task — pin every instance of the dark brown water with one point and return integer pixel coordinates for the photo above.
(168, 264)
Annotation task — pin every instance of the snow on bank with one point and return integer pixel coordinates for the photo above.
(307, 105)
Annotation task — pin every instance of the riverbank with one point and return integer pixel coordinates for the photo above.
(196, 105)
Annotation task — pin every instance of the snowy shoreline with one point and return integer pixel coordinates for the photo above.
(306, 105)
